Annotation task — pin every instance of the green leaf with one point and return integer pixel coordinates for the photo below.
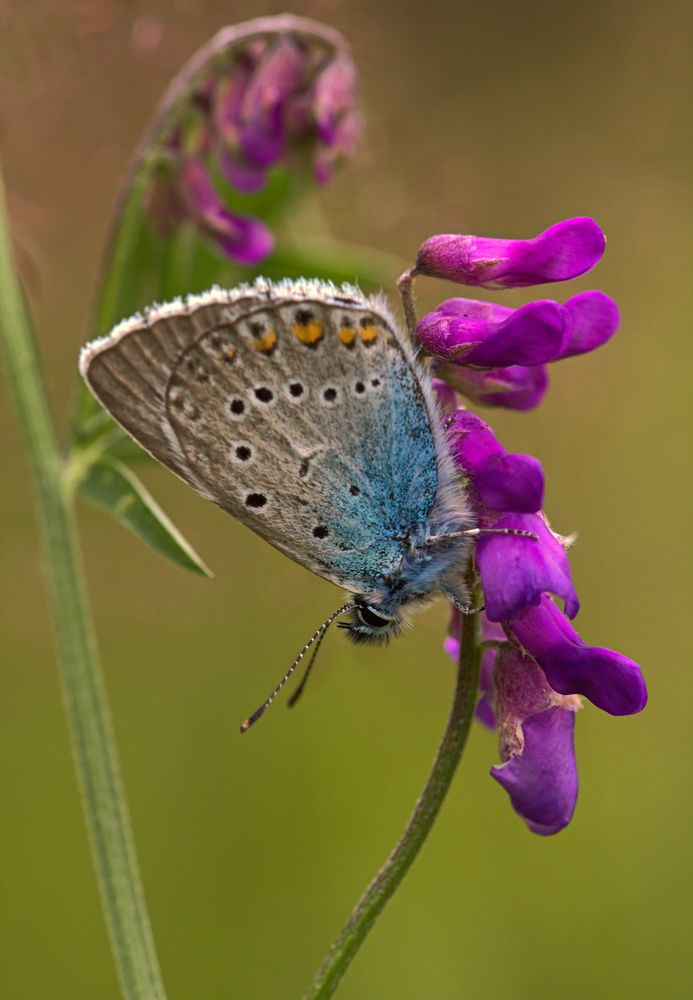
(109, 485)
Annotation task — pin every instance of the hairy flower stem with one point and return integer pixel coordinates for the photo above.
(85, 698)
(387, 880)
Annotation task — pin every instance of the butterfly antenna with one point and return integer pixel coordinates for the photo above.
(314, 655)
(475, 532)
(317, 636)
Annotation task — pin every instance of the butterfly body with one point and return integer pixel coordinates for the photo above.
(300, 408)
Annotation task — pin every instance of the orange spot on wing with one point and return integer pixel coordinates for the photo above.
(347, 335)
(229, 354)
(369, 333)
(308, 333)
(267, 342)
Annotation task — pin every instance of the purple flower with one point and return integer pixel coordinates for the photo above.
(593, 319)
(506, 492)
(514, 388)
(469, 332)
(486, 335)
(279, 76)
(334, 111)
(563, 251)
(495, 355)
(503, 481)
(237, 168)
(243, 239)
(534, 665)
(536, 743)
(542, 780)
(610, 680)
(535, 730)
(516, 571)
(272, 90)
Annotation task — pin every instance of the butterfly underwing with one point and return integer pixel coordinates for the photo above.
(301, 409)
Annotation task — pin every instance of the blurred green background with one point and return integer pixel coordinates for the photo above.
(496, 119)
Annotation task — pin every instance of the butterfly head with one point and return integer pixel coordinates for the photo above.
(369, 624)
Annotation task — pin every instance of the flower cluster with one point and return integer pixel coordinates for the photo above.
(535, 665)
(276, 88)
(498, 356)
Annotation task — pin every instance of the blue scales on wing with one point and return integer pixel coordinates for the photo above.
(297, 407)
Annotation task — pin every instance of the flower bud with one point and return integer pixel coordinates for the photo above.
(491, 336)
(563, 251)
(514, 387)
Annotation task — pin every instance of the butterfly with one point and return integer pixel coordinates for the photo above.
(300, 408)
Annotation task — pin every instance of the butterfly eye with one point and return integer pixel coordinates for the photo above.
(370, 617)
(369, 624)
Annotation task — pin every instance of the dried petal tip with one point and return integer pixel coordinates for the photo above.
(563, 251)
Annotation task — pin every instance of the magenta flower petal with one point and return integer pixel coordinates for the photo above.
(280, 74)
(511, 483)
(515, 387)
(249, 243)
(542, 781)
(563, 251)
(343, 143)
(504, 481)
(485, 711)
(593, 318)
(516, 571)
(480, 333)
(240, 174)
(447, 397)
(242, 238)
(610, 680)
(334, 96)
(227, 102)
(277, 92)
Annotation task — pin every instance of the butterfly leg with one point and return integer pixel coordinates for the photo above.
(457, 603)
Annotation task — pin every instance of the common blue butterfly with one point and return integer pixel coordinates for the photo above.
(300, 408)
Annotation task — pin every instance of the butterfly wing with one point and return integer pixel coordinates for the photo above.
(297, 407)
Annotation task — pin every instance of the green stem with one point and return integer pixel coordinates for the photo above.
(85, 697)
(113, 269)
(387, 880)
